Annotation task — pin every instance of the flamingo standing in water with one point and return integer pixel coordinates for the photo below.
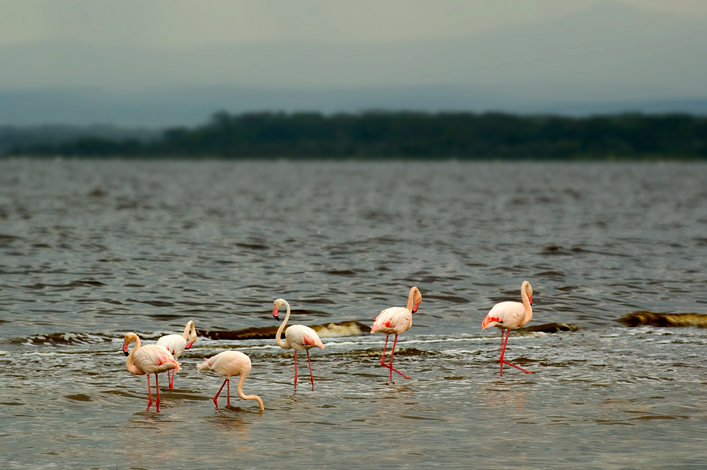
(509, 315)
(228, 364)
(298, 337)
(148, 359)
(176, 344)
(396, 320)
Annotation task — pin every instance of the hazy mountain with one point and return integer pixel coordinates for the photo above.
(610, 57)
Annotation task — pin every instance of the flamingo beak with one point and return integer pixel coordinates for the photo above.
(125, 349)
(530, 299)
(414, 308)
(189, 344)
(274, 313)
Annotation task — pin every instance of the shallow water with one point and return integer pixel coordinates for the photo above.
(92, 250)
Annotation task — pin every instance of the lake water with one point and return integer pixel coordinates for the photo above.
(92, 250)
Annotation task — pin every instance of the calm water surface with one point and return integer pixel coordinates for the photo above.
(92, 250)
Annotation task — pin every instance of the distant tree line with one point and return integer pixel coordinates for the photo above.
(379, 135)
(17, 137)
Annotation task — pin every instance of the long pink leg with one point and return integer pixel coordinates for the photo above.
(392, 353)
(383, 356)
(311, 375)
(149, 390)
(228, 394)
(170, 376)
(295, 371)
(219, 391)
(503, 361)
(500, 352)
(157, 387)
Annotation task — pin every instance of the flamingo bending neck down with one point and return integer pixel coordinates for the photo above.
(228, 364)
(396, 320)
(509, 315)
(148, 359)
(176, 344)
(298, 337)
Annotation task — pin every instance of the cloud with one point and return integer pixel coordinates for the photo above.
(189, 23)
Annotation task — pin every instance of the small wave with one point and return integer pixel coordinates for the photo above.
(78, 283)
(63, 338)
(550, 328)
(253, 246)
(668, 320)
(341, 272)
(449, 298)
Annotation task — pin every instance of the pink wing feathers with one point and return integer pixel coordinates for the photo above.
(302, 337)
(174, 344)
(393, 320)
(505, 315)
(153, 359)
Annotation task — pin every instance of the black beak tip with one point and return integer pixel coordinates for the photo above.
(126, 353)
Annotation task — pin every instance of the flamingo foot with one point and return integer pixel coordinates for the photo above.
(395, 370)
(517, 367)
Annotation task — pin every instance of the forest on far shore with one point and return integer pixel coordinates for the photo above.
(398, 135)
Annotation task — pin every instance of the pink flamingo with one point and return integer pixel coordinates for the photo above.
(176, 344)
(396, 320)
(510, 315)
(228, 364)
(148, 359)
(298, 337)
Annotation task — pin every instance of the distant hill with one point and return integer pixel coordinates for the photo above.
(409, 135)
(191, 106)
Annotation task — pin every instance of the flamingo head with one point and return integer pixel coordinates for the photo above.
(416, 299)
(528, 291)
(277, 305)
(192, 334)
(129, 338)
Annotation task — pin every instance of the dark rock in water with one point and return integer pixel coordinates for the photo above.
(330, 330)
(670, 320)
(550, 327)
(248, 333)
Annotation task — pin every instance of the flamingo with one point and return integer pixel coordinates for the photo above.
(509, 315)
(148, 359)
(396, 320)
(228, 364)
(298, 337)
(176, 344)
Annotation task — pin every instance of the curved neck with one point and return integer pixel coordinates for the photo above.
(526, 304)
(239, 388)
(189, 332)
(411, 299)
(132, 368)
(278, 339)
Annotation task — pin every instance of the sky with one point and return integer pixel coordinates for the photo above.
(176, 59)
(194, 23)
